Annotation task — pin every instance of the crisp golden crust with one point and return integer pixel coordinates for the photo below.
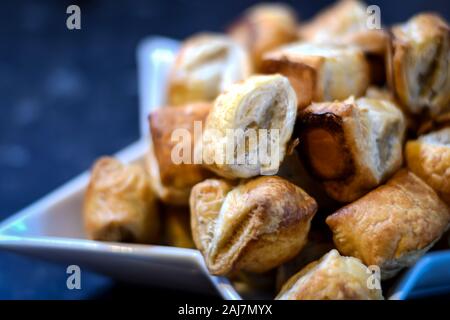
(206, 65)
(177, 227)
(264, 27)
(172, 181)
(205, 202)
(255, 226)
(119, 204)
(419, 64)
(345, 23)
(320, 72)
(352, 146)
(429, 158)
(258, 108)
(333, 277)
(393, 225)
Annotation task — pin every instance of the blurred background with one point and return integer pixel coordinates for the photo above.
(67, 97)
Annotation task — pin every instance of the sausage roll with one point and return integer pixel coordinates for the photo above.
(265, 27)
(419, 64)
(333, 277)
(429, 158)
(320, 72)
(352, 146)
(254, 226)
(177, 227)
(119, 204)
(393, 225)
(346, 22)
(170, 161)
(206, 65)
(248, 129)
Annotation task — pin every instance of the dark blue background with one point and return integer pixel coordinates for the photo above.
(67, 97)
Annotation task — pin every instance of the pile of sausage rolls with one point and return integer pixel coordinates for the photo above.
(360, 188)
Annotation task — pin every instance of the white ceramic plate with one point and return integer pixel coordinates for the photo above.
(51, 228)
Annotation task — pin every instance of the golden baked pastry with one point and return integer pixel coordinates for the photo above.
(419, 64)
(261, 109)
(172, 179)
(119, 204)
(264, 27)
(177, 227)
(206, 65)
(345, 23)
(320, 72)
(254, 226)
(333, 277)
(352, 146)
(393, 225)
(429, 158)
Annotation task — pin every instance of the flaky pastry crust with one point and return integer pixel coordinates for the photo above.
(250, 111)
(264, 27)
(391, 226)
(206, 65)
(352, 146)
(172, 179)
(345, 22)
(429, 158)
(320, 72)
(419, 64)
(333, 277)
(119, 204)
(254, 226)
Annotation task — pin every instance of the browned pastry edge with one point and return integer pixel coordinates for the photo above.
(331, 277)
(391, 226)
(396, 62)
(332, 123)
(303, 78)
(429, 158)
(266, 223)
(119, 204)
(260, 32)
(371, 41)
(176, 179)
